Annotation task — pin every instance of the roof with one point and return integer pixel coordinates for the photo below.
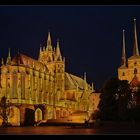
(134, 57)
(24, 60)
(72, 81)
(135, 82)
(123, 67)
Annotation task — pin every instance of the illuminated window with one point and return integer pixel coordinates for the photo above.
(23, 86)
(15, 85)
(123, 74)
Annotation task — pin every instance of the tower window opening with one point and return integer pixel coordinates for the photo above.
(123, 74)
(135, 63)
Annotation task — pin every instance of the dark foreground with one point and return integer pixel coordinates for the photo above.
(107, 128)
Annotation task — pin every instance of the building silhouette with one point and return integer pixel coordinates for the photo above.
(42, 89)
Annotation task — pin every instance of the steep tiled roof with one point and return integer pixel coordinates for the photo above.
(135, 82)
(134, 57)
(24, 60)
(71, 81)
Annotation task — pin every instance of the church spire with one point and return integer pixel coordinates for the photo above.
(2, 61)
(92, 87)
(85, 77)
(123, 59)
(8, 58)
(58, 53)
(40, 49)
(9, 53)
(64, 60)
(135, 47)
(40, 53)
(85, 81)
(49, 42)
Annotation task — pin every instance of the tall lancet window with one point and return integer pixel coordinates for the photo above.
(14, 85)
(135, 71)
(123, 74)
(22, 86)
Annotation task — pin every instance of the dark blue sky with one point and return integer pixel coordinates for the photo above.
(90, 36)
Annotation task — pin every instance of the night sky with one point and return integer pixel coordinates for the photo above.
(90, 36)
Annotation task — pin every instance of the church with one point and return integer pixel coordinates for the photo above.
(130, 68)
(41, 89)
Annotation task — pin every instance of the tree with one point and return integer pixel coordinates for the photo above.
(115, 95)
(4, 112)
(134, 111)
(108, 104)
(124, 96)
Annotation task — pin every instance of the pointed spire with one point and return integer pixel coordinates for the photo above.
(135, 47)
(40, 48)
(123, 59)
(64, 59)
(43, 48)
(58, 42)
(92, 87)
(85, 81)
(40, 53)
(49, 42)
(2, 61)
(58, 53)
(85, 78)
(33, 64)
(8, 58)
(9, 53)
(58, 46)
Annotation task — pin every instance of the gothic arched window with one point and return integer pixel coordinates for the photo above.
(135, 63)
(135, 71)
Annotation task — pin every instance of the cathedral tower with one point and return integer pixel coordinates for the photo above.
(128, 72)
(59, 72)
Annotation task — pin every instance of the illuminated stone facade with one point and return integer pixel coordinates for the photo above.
(41, 89)
(131, 68)
(95, 99)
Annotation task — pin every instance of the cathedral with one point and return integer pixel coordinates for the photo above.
(130, 69)
(41, 89)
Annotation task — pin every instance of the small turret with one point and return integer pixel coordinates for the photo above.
(8, 58)
(49, 43)
(85, 81)
(58, 53)
(2, 61)
(64, 60)
(92, 87)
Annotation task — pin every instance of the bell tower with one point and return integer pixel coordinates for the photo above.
(59, 72)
